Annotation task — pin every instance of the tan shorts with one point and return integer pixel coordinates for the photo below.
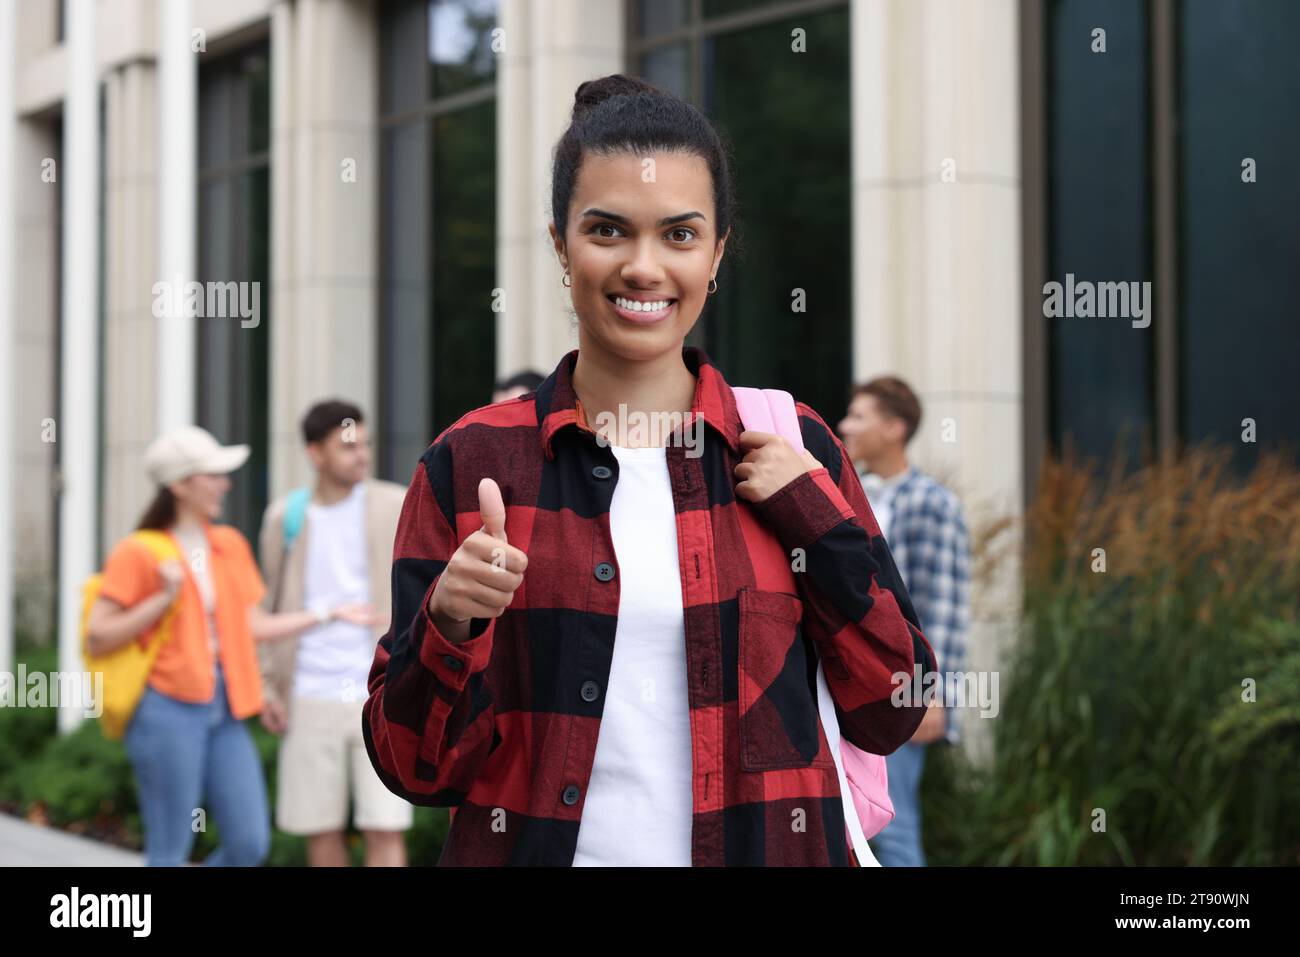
(322, 753)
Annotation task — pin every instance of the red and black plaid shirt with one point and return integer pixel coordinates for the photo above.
(501, 726)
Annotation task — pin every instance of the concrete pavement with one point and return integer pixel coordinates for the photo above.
(28, 845)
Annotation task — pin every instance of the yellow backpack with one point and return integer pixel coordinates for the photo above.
(126, 668)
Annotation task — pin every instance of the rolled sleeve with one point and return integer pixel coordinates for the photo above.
(805, 509)
(450, 662)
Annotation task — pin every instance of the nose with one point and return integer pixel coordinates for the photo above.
(644, 268)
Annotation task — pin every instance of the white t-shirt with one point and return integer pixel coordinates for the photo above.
(195, 554)
(880, 496)
(638, 806)
(334, 658)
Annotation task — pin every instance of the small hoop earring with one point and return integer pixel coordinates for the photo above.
(565, 280)
(713, 286)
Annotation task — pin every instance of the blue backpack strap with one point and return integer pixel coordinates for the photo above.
(295, 514)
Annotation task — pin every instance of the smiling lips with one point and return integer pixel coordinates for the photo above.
(636, 310)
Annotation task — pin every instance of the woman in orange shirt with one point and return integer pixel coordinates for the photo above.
(187, 739)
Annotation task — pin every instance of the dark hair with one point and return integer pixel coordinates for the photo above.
(160, 514)
(324, 417)
(622, 114)
(895, 397)
(526, 379)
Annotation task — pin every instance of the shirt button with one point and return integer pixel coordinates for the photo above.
(602, 472)
(452, 662)
(570, 795)
(590, 691)
(604, 571)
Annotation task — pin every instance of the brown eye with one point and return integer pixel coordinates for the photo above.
(690, 233)
(597, 230)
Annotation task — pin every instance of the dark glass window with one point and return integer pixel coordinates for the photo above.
(655, 17)
(234, 234)
(438, 222)
(404, 68)
(669, 67)
(1099, 210)
(406, 321)
(791, 166)
(718, 8)
(1240, 339)
(433, 49)
(101, 318)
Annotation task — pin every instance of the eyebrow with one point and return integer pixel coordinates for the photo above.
(666, 221)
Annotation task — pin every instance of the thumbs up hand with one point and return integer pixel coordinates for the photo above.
(491, 509)
(481, 578)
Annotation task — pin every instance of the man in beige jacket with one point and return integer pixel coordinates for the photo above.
(314, 685)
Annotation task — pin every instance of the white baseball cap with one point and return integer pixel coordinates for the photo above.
(190, 450)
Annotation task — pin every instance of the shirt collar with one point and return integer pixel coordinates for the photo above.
(215, 543)
(558, 405)
(872, 482)
(894, 481)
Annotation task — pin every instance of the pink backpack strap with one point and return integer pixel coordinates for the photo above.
(773, 410)
(769, 410)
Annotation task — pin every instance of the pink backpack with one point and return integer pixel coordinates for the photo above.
(864, 782)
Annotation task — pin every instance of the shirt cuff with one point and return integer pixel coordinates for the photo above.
(450, 662)
(805, 509)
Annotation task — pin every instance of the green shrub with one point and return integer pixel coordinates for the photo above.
(427, 835)
(24, 732)
(83, 783)
(1124, 693)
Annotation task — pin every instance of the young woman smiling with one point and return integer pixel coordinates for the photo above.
(603, 650)
(186, 740)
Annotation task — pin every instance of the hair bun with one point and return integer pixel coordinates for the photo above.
(591, 93)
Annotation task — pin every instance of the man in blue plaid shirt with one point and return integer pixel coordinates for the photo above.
(923, 524)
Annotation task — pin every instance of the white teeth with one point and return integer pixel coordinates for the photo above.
(637, 306)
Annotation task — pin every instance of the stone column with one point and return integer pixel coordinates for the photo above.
(551, 47)
(133, 339)
(324, 188)
(78, 426)
(936, 249)
(178, 172)
(35, 382)
(8, 123)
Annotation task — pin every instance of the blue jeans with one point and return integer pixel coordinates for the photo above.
(899, 844)
(183, 753)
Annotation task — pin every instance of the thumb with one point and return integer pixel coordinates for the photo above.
(492, 509)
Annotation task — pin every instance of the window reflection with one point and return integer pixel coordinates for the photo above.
(438, 221)
(234, 229)
(1239, 246)
(668, 67)
(1099, 207)
(660, 16)
(791, 166)
(460, 43)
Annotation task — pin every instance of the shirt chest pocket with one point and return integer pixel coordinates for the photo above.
(779, 726)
